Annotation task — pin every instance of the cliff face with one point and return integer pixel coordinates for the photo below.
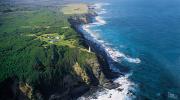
(82, 19)
(70, 73)
(75, 22)
(103, 72)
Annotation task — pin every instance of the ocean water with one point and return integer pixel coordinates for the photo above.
(144, 37)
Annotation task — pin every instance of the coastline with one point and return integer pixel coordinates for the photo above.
(98, 49)
(88, 35)
(118, 84)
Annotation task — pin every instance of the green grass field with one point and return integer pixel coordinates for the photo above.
(75, 9)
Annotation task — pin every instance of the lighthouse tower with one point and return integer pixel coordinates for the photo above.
(89, 49)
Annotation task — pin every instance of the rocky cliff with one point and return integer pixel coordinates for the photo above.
(47, 59)
(76, 22)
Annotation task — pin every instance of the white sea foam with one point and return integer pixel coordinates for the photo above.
(100, 5)
(118, 56)
(100, 20)
(120, 93)
(123, 91)
(113, 53)
(88, 32)
(103, 11)
(133, 60)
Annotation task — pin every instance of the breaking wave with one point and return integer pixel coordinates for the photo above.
(127, 88)
(125, 91)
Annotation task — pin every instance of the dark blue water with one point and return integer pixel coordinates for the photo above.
(148, 30)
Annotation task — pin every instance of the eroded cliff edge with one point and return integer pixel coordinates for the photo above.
(52, 61)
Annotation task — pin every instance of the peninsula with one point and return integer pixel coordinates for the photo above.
(43, 54)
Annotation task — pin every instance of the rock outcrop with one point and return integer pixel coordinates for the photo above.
(83, 18)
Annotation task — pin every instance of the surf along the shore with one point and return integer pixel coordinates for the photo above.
(126, 88)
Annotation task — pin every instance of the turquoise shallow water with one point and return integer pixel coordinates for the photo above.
(150, 31)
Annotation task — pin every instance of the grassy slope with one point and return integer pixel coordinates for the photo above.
(75, 9)
(21, 36)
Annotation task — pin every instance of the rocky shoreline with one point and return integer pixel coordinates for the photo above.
(76, 23)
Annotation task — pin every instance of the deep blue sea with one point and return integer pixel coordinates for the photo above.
(148, 30)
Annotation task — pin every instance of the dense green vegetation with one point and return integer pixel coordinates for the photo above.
(40, 48)
(19, 44)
